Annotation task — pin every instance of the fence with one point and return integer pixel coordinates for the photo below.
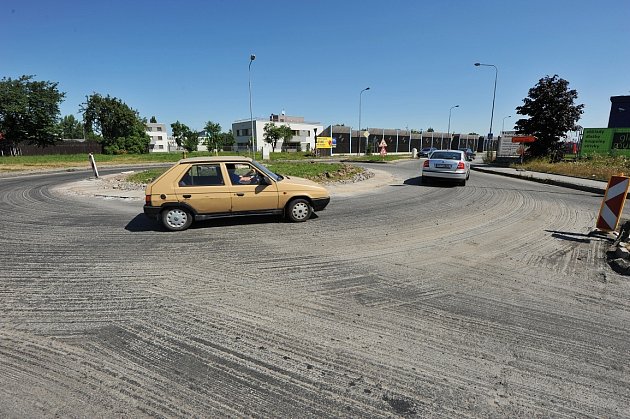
(66, 147)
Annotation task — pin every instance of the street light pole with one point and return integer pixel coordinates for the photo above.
(252, 57)
(359, 137)
(449, 124)
(494, 93)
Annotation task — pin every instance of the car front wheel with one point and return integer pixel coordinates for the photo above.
(176, 219)
(299, 210)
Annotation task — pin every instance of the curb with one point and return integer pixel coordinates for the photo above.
(592, 189)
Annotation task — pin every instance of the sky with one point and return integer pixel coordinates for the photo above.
(188, 61)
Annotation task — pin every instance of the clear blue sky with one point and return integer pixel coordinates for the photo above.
(188, 60)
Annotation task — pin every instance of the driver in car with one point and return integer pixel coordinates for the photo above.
(248, 178)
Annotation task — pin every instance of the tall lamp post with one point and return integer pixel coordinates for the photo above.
(252, 57)
(503, 123)
(359, 139)
(494, 93)
(449, 124)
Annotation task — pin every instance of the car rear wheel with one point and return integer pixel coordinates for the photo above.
(299, 210)
(176, 219)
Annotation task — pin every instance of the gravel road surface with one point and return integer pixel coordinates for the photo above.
(489, 300)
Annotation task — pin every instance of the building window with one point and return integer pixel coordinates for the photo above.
(149, 129)
(160, 147)
(159, 128)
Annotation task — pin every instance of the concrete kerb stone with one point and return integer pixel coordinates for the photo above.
(548, 181)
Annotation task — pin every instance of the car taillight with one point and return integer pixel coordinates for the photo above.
(460, 165)
(426, 163)
(147, 199)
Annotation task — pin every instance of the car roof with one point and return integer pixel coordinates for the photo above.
(215, 159)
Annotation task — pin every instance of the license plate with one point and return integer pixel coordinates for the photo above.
(443, 166)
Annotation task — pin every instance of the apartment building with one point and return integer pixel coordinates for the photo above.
(304, 132)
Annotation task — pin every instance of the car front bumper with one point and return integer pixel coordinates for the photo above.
(320, 203)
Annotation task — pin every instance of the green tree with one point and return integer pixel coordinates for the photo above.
(179, 132)
(29, 111)
(121, 128)
(191, 140)
(213, 134)
(552, 112)
(184, 136)
(286, 133)
(153, 120)
(272, 133)
(227, 139)
(71, 128)
(430, 129)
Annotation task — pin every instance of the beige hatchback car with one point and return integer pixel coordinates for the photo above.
(203, 188)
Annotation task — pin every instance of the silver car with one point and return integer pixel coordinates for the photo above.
(447, 165)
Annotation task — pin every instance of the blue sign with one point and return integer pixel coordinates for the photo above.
(334, 141)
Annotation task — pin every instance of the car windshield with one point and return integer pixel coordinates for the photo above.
(446, 155)
(267, 172)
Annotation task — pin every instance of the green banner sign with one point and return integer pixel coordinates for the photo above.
(603, 140)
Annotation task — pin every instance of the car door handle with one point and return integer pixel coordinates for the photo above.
(240, 194)
(187, 196)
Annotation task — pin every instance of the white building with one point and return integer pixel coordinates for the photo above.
(160, 141)
(304, 132)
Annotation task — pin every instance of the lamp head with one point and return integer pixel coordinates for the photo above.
(252, 57)
(457, 106)
(477, 64)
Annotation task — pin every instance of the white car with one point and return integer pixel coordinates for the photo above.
(447, 165)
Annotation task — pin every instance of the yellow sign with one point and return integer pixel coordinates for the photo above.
(324, 142)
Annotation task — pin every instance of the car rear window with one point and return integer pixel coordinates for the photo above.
(202, 175)
(446, 155)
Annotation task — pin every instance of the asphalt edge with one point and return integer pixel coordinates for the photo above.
(599, 191)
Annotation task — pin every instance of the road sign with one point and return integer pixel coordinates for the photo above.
(366, 134)
(383, 151)
(382, 144)
(613, 202)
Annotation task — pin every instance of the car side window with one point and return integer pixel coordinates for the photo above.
(243, 174)
(203, 175)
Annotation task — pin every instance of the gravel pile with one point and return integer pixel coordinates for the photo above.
(119, 182)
